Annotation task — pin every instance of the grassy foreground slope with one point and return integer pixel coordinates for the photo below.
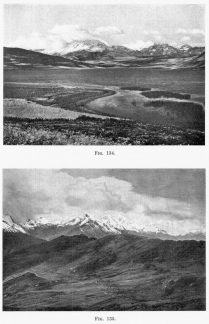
(117, 272)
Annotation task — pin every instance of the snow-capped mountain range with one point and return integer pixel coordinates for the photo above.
(99, 55)
(95, 45)
(41, 228)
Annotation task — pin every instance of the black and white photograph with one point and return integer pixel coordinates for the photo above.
(104, 180)
(104, 240)
(104, 74)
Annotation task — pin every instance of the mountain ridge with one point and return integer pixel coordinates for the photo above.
(157, 49)
(91, 227)
(158, 55)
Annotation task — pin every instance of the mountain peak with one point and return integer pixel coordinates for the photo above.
(42, 220)
(90, 45)
(160, 50)
(9, 225)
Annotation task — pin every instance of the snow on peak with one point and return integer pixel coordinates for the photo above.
(9, 225)
(92, 45)
(31, 222)
(42, 220)
(8, 219)
(85, 219)
(184, 47)
(34, 223)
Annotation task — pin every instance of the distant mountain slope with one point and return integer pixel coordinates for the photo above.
(91, 255)
(29, 256)
(111, 52)
(18, 57)
(160, 50)
(14, 242)
(193, 51)
(197, 61)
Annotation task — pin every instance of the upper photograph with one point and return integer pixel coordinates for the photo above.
(104, 74)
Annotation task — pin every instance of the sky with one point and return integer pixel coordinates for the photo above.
(168, 199)
(54, 27)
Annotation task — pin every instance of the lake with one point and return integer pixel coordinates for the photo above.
(182, 80)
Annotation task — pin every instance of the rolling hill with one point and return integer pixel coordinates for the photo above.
(24, 59)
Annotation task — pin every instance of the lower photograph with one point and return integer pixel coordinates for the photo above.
(104, 240)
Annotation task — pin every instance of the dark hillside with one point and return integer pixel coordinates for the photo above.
(13, 242)
(116, 272)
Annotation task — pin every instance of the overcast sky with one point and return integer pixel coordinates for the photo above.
(135, 26)
(172, 200)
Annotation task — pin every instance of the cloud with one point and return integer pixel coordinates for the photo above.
(61, 36)
(181, 31)
(69, 33)
(31, 192)
(154, 35)
(151, 32)
(185, 39)
(159, 38)
(197, 32)
(190, 31)
(139, 44)
(110, 30)
(174, 44)
(57, 195)
(33, 42)
(107, 193)
(57, 38)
